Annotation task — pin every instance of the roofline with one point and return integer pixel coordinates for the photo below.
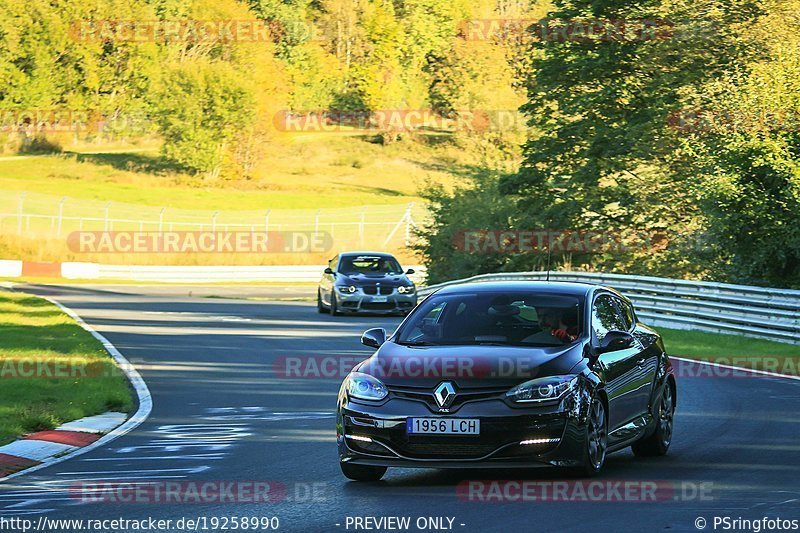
(364, 253)
(588, 287)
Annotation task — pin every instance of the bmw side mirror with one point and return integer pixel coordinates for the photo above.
(328, 271)
(374, 338)
(615, 340)
(410, 271)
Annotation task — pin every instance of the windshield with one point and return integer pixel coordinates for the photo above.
(493, 318)
(369, 264)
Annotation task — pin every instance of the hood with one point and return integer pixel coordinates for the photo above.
(468, 366)
(390, 280)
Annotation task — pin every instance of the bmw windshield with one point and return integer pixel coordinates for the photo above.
(369, 265)
(493, 318)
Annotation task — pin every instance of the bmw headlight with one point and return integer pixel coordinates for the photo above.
(542, 389)
(347, 289)
(405, 290)
(364, 387)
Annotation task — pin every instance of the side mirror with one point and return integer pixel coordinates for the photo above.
(328, 271)
(410, 271)
(374, 338)
(615, 340)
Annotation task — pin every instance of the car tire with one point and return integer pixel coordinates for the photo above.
(362, 472)
(334, 308)
(320, 306)
(658, 443)
(595, 451)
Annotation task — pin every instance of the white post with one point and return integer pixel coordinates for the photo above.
(214, 221)
(19, 212)
(316, 221)
(161, 219)
(408, 223)
(105, 223)
(60, 214)
(394, 229)
(361, 226)
(266, 227)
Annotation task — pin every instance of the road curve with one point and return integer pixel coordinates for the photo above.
(223, 411)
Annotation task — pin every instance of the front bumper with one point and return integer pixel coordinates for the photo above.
(376, 435)
(358, 302)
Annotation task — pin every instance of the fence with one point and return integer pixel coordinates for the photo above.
(717, 307)
(46, 216)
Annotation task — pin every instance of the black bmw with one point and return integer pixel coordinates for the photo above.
(508, 374)
(366, 282)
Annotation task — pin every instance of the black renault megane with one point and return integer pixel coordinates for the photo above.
(508, 375)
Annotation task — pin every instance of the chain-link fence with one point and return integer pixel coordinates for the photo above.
(36, 215)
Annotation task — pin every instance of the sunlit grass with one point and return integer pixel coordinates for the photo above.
(734, 350)
(323, 172)
(51, 370)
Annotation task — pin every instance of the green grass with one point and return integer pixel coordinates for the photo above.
(37, 340)
(298, 176)
(734, 350)
(314, 173)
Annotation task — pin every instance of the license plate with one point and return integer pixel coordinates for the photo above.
(443, 426)
(380, 299)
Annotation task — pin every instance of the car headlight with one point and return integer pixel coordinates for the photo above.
(542, 389)
(364, 387)
(347, 289)
(405, 290)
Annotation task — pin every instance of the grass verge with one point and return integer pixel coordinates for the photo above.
(733, 350)
(52, 371)
(325, 172)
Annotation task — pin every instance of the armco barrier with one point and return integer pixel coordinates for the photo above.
(206, 274)
(699, 305)
(718, 307)
(211, 274)
(172, 274)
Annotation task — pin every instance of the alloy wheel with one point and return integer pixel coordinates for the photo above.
(598, 442)
(666, 416)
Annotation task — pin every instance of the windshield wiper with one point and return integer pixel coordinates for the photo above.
(416, 343)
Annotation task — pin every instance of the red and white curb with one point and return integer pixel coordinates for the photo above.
(37, 448)
(46, 448)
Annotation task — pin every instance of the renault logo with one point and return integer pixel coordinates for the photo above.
(444, 394)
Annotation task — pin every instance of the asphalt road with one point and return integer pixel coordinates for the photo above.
(224, 412)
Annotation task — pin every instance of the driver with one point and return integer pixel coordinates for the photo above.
(556, 324)
(381, 266)
(566, 328)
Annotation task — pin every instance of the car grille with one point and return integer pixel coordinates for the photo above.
(447, 448)
(375, 290)
(462, 396)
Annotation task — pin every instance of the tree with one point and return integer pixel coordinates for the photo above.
(203, 107)
(746, 146)
(603, 156)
